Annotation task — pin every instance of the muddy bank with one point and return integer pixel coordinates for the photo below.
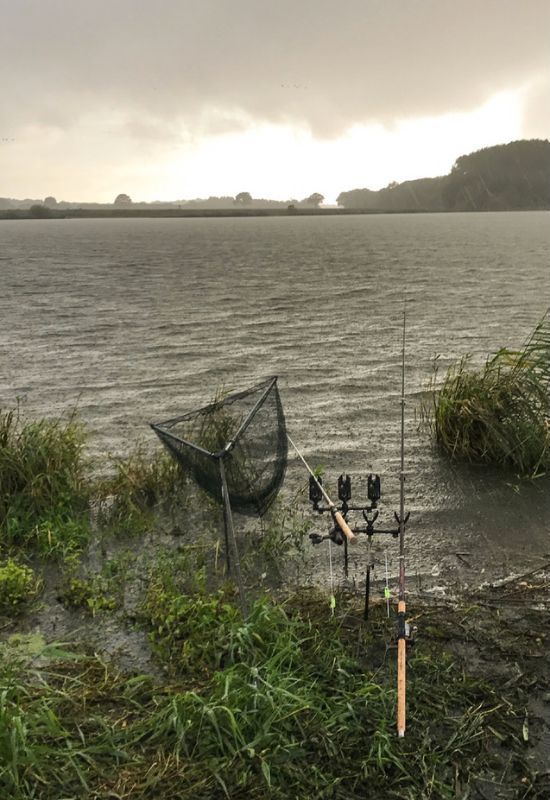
(478, 668)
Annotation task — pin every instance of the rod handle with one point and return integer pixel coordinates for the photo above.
(401, 678)
(344, 527)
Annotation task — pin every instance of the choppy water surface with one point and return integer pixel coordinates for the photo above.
(138, 320)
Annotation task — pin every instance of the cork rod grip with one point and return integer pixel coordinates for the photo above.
(344, 527)
(401, 678)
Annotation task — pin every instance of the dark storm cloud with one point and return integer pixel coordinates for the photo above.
(210, 64)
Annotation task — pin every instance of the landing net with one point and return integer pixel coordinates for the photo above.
(245, 429)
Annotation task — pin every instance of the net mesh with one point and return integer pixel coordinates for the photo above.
(247, 429)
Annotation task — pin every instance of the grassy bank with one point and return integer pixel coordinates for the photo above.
(499, 414)
(291, 702)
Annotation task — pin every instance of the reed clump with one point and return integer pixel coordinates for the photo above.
(48, 487)
(43, 475)
(499, 414)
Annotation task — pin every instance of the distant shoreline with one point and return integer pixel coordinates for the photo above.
(146, 213)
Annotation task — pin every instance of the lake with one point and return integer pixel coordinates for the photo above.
(137, 320)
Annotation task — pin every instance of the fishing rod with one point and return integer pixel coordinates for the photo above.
(370, 514)
(401, 604)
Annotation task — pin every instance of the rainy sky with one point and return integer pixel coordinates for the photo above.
(190, 98)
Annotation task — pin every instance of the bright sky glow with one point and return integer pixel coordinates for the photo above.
(269, 161)
(281, 162)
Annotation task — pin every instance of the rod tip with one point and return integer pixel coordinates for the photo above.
(401, 733)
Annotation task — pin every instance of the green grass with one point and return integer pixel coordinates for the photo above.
(287, 704)
(499, 414)
(44, 497)
(136, 485)
(18, 586)
(281, 705)
(48, 487)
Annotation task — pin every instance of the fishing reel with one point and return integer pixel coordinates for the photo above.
(409, 634)
(335, 535)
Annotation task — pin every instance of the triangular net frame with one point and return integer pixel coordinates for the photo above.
(247, 430)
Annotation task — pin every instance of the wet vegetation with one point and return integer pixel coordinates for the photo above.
(293, 701)
(49, 489)
(135, 485)
(18, 586)
(44, 496)
(499, 414)
(289, 703)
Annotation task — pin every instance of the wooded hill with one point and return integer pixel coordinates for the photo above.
(506, 177)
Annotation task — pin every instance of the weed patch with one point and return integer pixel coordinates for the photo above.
(91, 594)
(138, 483)
(18, 586)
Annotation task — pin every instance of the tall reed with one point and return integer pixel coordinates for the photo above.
(47, 487)
(498, 414)
(43, 486)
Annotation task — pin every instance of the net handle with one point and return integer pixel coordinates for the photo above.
(228, 518)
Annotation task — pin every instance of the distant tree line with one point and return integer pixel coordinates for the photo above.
(40, 208)
(505, 177)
